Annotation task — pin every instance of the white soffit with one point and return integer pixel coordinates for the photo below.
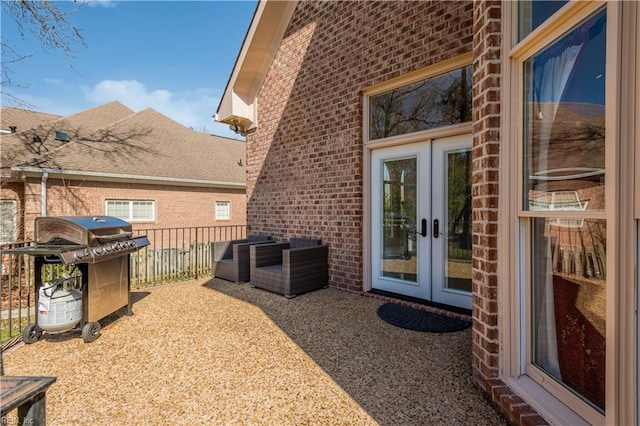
(238, 104)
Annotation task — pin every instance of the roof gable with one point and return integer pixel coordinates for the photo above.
(40, 139)
(22, 119)
(145, 145)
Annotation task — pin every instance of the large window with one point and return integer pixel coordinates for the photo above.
(569, 116)
(434, 102)
(564, 171)
(131, 210)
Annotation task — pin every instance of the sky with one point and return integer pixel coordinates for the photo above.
(173, 56)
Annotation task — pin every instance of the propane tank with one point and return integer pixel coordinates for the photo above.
(59, 306)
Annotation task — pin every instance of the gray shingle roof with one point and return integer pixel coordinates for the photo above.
(113, 140)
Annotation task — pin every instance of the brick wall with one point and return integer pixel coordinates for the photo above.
(486, 149)
(176, 206)
(488, 58)
(305, 171)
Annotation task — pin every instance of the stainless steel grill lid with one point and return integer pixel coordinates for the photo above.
(82, 230)
(82, 239)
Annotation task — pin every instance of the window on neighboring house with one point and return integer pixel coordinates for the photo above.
(438, 101)
(8, 221)
(131, 210)
(223, 210)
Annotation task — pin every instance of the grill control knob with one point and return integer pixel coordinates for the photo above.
(97, 250)
(78, 255)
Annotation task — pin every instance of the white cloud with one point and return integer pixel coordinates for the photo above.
(192, 108)
(99, 3)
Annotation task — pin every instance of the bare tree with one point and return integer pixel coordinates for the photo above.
(48, 23)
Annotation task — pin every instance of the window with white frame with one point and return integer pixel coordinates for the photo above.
(571, 182)
(223, 210)
(131, 210)
(8, 221)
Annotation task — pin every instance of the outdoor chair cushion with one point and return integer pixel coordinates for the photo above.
(230, 259)
(290, 268)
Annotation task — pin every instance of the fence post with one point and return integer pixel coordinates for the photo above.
(196, 254)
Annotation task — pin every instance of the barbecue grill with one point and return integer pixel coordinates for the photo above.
(98, 248)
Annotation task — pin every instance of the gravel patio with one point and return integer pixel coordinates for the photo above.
(217, 353)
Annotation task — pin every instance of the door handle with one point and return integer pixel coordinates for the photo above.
(436, 228)
(423, 232)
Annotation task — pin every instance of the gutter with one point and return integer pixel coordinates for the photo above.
(43, 194)
(110, 177)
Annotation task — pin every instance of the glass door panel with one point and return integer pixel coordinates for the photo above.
(421, 220)
(451, 230)
(400, 201)
(399, 206)
(458, 221)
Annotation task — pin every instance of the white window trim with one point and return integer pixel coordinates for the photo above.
(131, 201)
(215, 212)
(622, 334)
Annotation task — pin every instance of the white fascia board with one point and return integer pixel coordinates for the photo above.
(117, 177)
(238, 104)
(234, 109)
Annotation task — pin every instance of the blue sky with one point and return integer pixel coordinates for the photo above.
(172, 56)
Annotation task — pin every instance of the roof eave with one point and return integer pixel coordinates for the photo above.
(117, 177)
(238, 105)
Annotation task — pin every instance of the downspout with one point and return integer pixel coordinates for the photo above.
(43, 193)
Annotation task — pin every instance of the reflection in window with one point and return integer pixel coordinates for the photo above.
(399, 196)
(459, 208)
(435, 102)
(533, 13)
(569, 304)
(564, 117)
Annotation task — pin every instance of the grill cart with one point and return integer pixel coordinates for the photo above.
(98, 284)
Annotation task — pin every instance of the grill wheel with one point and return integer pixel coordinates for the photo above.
(90, 331)
(31, 333)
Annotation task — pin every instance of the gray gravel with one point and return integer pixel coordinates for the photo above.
(214, 352)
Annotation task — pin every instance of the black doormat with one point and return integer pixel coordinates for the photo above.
(418, 320)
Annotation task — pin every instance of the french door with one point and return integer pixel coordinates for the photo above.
(421, 220)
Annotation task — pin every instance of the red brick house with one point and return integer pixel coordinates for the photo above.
(475, 154)
(143, 167)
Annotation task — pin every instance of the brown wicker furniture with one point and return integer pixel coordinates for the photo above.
(291, 268)
(230, 259)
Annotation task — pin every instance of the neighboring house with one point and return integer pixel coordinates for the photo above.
(143, 167)
(476, 154)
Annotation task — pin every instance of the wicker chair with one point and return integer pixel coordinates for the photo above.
(230, 259)
(291, 268)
